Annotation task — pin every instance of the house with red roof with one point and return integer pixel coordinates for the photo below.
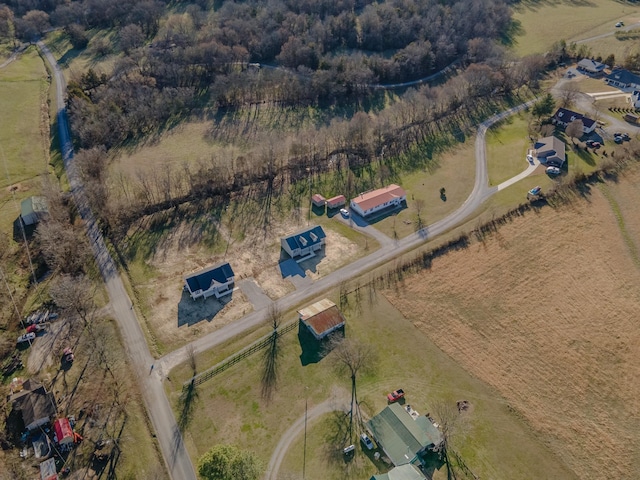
(368, 203)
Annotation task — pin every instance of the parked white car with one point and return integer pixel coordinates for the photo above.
(27, 337)
(344, 212)
(366, 441)
(553, 170)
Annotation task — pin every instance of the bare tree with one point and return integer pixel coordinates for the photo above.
(75, 294)
(419, 207)
(575, 129)
(568, 95)
(352, 357)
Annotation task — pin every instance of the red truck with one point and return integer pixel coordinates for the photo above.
(395, 395)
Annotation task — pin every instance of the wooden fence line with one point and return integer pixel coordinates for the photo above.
(258, 345)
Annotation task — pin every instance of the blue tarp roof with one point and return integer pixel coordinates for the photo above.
(202, 280)
(294, 241)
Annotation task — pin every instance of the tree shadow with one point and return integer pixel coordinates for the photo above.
(187, 404)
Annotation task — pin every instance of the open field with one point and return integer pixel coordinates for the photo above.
(24, 137)
(496, 444)
(157, 270)
(543, 23)
(543, 310)
(453, 170)
(611, 45)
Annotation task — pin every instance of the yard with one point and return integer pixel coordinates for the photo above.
(229, 408)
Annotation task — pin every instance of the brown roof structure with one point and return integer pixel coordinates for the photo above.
(337, 201)
(318, 200)
(322, 318)
(36, 405)
(372, 199)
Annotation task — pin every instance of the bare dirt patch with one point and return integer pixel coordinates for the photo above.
(175, 318)
(545, 311)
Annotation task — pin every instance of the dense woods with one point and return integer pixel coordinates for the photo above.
(173, 57)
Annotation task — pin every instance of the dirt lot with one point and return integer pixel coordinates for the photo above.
(175, 318)
(545, 310)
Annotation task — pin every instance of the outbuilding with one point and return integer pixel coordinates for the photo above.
(63, 431)
(35, 404)
(337, 201)
(322, 318)
(33, 209)
(318, 200)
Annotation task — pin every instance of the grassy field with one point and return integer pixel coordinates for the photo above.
(507, 146)
(229, 408)
(540, 24)
(24, 138)
(454, 170)
(541, 311)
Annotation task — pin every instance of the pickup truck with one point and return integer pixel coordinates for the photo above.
(395, 395)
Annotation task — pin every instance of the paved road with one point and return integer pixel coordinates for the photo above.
(175, 455)
(481, 192)
(328, 406)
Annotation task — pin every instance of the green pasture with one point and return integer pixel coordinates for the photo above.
(24, 138)
(229, 409)
(507, 145)
(539, 24)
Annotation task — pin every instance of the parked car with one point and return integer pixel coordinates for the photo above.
(626, 137)
(617, 139)
(619, 24)
(553, 170)
(366, 441)
(535, 190)
(344, 212)
(27, 337)
(594, 145)
(395, 395)
(530, 159)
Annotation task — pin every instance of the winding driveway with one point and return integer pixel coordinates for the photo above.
(162, 418)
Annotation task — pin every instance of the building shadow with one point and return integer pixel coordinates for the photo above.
(290, 268)
(378, 216)
(192, 311)
(18, 227)
(314, 350)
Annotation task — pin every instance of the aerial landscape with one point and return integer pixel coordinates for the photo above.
(320, 239)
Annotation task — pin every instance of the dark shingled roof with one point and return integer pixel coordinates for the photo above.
(202, 280)
(304, 238)
(567, 116)
(623, 76)
(34, 402)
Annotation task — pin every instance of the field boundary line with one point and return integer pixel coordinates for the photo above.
(633, 249)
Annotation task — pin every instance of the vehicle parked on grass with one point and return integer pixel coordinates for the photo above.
(27, 337)
(535, 190)
(553, 170)
(366, 441)
(618, 140)
(626, 137)
(593, 144)
(619, 24)
(395, 395)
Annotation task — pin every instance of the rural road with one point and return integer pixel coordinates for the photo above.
(150, 381)
(328, 406)
(175, 455)
(609, 34)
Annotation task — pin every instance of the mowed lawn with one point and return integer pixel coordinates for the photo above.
(507, 145)
(545, 311)
(24, 136)
(495, 444)
(540, 24)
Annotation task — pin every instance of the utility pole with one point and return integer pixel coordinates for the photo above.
(304, 451)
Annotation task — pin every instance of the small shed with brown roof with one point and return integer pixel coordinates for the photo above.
(337, 201)
(318, 200)
(322, 318)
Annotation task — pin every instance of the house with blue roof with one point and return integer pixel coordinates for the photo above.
(217, 280)
(302, 245)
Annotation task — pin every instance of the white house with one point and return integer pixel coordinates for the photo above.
(303, 244)
(623, 79)
(373, 201)
(591, 66)
(564, 117)
(550, 151)
(217, 280)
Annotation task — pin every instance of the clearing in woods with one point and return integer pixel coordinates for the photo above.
(545, 311)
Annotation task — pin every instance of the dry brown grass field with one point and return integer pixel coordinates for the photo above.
(545, 310)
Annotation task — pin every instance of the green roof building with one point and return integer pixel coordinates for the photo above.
(33, 209)
(404, 472)
(401, 437)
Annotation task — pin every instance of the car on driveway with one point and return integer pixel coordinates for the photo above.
(366, 441)
(344, 212)
(530, 159)
(553, 170)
